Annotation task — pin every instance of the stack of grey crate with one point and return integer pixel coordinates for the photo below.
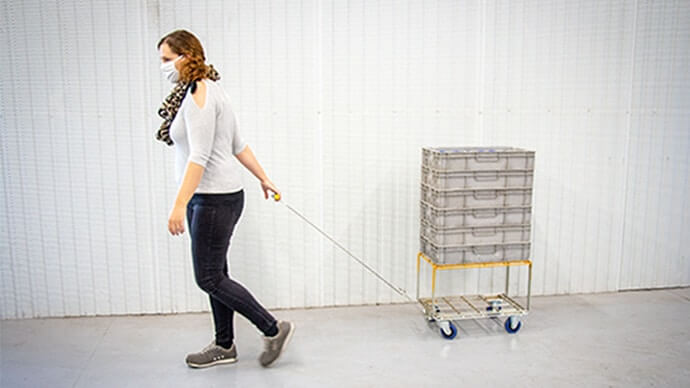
(476, 204)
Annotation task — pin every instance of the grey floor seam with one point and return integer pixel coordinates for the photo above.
(88, 362)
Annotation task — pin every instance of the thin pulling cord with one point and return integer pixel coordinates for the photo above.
(395, 288)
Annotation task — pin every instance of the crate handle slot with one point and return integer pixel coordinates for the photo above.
(485, 213)
(486, 157)
(485, 194)
(486, 176)
(488, 250)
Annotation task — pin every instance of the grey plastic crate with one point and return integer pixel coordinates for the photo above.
(470, 198)
(474, 253)
(456, 218)
(477, 179)
(477, 158)
(475, 235)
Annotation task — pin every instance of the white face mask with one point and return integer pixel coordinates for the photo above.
(169, 70)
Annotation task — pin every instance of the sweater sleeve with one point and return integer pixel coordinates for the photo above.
(238, 143)
(201, 130)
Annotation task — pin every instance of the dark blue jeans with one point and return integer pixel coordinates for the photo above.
(211, 219)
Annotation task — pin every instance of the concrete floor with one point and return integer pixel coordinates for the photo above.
(622, 339)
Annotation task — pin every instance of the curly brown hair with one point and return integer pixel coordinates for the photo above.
(183, 42)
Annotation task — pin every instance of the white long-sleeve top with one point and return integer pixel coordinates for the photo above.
(208, 136)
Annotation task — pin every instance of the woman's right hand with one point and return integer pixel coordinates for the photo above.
(266, 186)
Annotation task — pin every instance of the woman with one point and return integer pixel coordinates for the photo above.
(199, 121)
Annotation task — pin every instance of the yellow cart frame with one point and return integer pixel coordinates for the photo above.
(444, 310)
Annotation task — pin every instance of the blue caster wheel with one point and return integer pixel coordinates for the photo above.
(513, 324)
(450, 332)
(494, 306)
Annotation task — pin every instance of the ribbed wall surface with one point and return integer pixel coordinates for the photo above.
(337, 98)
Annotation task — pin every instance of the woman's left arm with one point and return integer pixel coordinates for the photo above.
(190, 182)
(201, 125)
(248, 160)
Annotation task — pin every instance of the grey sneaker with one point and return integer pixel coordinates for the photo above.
(275, 345)
(212, 355)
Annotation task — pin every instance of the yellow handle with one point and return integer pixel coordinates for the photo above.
(276, 197)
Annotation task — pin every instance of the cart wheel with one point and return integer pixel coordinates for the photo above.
(451, 332)
(513, 324)
(494, 306)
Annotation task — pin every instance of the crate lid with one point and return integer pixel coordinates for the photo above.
(487, 149)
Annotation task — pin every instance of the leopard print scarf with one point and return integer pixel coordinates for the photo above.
(171, 104)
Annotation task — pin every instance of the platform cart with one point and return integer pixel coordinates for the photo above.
(444, 310)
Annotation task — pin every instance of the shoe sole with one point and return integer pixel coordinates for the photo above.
(287, 341)
(212, 363)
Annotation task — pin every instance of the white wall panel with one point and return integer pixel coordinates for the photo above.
(337, 98)
(385, 95)
(557, 80)
(657, 206)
